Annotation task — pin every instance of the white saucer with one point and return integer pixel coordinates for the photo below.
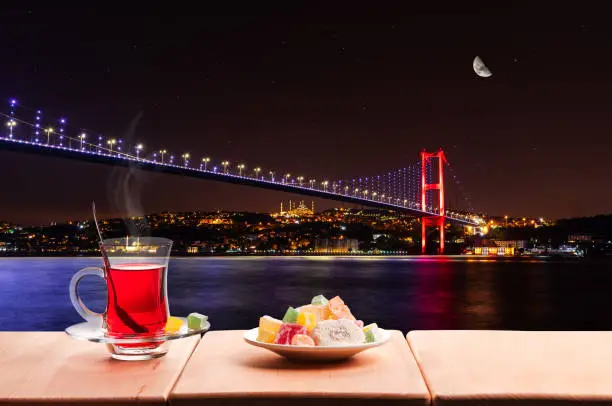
(315, 354)
(94, 332)
(132, 348)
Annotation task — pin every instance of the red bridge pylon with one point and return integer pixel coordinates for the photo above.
(432, 221)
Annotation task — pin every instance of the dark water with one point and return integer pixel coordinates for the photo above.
(398, 293)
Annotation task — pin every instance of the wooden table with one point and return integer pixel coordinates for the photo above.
(518, 367)
(225, 370)
(50, 367)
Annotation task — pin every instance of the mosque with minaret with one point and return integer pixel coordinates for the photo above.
(298, 210)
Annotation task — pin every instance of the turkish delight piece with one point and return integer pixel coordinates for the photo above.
(308, 320)
(303, 340)
(338, 332)
(173, 325)
(319, 300)
(287, 331)
(339, 310)
(196, 321)
(268, 329)
(290, 315)
(321, 312)
(372, 333)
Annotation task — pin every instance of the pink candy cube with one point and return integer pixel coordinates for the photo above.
(287, 331)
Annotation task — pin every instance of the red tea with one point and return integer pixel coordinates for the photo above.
(136, 299)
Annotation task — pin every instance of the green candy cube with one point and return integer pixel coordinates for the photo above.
(371, 333)
(319, 300)
(291, 315)
(196, 321)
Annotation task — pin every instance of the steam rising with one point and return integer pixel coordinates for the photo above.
(125, 186)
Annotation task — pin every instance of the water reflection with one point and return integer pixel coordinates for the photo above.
(481, 308)
(397, 293)
(434, 295)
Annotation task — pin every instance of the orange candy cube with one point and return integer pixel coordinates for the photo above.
(321, 312)
(303, 340)
(173, 325)
(339, 310)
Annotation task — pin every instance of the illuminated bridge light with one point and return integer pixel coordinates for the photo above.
(397, 189)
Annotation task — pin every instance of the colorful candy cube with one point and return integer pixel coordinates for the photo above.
(196, 321)
(372, 334)
(339, 310)
(266, 336)
(287, 331)
(308, 320)
(337, 332)
(291, 315)
(268, 329)
(321, 312)
(173, 324)
(319, 300)
(303, 340)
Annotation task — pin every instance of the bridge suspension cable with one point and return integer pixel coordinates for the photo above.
(398, 186)
(464, 200)
(398, 189)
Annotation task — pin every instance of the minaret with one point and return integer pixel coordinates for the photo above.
(289, 205)
(281, 211)
(312, 202)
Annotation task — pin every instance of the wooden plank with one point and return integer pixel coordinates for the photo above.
(225, 370)
(522, 367)
(50, 367)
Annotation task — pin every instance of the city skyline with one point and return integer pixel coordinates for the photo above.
(319, 98)
(299, 207)
(299, 229)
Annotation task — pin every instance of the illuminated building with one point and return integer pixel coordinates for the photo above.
(516, 244)
(215, 221)
(336, 245)
(295, 211)
(576, 238)
(493, 251)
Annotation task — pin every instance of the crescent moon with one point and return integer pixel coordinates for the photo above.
(480, 68)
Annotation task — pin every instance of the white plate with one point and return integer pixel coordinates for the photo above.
(306, 353)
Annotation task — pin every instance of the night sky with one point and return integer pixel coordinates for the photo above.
(316, 91)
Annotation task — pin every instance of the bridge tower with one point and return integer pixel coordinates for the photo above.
(432, 221)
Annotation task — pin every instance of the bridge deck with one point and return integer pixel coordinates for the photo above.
(144, 164)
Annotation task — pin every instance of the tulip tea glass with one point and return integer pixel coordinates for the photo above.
(135, 271)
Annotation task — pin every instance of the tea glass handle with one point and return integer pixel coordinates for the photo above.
(78, 304)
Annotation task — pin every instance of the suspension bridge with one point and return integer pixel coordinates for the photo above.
(418, 189)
